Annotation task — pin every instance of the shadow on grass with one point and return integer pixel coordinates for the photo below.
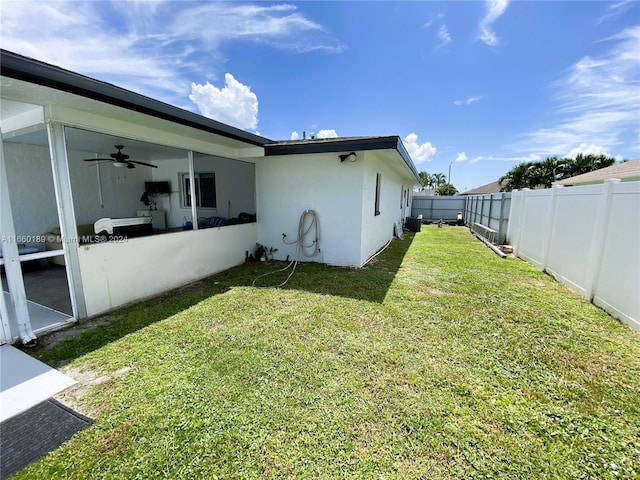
(369, 283)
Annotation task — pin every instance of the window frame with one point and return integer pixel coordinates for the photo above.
(185, 190)
(376, 209)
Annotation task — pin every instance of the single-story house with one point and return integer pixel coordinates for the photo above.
(193, 197)
(626, 172)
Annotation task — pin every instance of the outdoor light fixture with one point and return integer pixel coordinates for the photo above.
(348, 156)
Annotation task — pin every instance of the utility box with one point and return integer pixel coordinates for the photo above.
(414, 224)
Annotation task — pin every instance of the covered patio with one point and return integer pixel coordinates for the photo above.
(54, 124)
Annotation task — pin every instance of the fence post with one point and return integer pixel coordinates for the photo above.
(551, 228)
(501, 232)
(490, 210)
(523, 197)
(594, 261)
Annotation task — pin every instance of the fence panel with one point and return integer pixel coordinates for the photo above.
(437, 208)
(586, 237)
(490, 210)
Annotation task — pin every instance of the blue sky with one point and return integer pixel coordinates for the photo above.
(479, 86)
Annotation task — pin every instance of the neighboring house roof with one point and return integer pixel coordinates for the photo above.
(341, 144)
(29, 70)
(626, 171)
(493, 187)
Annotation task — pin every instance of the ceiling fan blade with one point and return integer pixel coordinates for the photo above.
(98, 159)
(142, 163)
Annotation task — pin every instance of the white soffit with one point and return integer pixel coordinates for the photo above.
(19, 117)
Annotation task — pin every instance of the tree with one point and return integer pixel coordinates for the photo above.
(587, 163)
(550, 170)
(446, 189)
(517, 178)
(439, 179)
(424, 178)
(427, 180)
(546, 172)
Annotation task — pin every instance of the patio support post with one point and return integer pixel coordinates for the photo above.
(12, 263)
(192, 182)
(66, 215)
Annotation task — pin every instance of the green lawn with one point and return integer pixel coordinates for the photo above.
(438, 360)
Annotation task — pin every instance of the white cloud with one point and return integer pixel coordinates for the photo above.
(155, 48)
(615, 10)
(419, 152)
(294, 135)
(281, 26)
(495, 9)
(528, 158)
(234, 104)
(444, 36)
(461, 157)
(468, 101)
(587, 150)
(433, 19)
(597, 102)
(330, 133)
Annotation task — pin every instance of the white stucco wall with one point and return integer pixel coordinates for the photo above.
(114, 274)
(341, 193)
(378, 229)
(290, 184)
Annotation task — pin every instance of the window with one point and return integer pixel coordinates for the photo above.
(205, 190)
(377, 206)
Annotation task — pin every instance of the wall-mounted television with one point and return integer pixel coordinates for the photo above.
(157, 187)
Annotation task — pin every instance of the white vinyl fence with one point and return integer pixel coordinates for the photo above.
(587, 237)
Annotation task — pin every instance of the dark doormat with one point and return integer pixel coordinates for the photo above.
(36, 432)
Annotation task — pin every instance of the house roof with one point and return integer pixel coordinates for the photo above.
(342, 144)
(624, 171)
(19, 67)
(493, 187)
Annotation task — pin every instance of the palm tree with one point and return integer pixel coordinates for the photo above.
(425, 178)
(546, 172)
(439, 179)
(586, 163)
(518, 177)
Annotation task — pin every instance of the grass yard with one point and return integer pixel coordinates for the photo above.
(439, 360)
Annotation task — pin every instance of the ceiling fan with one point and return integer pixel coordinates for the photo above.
(120, 159)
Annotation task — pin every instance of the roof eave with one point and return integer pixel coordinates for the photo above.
(342, 145)
(33, 71)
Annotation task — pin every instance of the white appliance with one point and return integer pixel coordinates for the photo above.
(158, 218)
